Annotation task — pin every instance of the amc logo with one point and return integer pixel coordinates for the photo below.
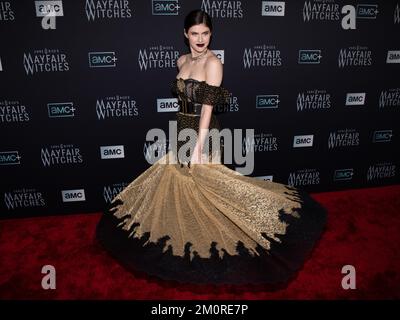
(9, 158)
(393, 56)
(61, 110)
(303, 141)
(309, 56)
(73, 195)
(167, 105)
(220, 55)
(49, 9)
(382, 136)
(165, 7)
(265, 178)
(367, 11)
(102, 59)
(353, 99)
(343, 174)
(112, 152)
(270, 101)
(273, 8)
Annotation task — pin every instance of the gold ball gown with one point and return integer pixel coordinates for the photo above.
(206, 223)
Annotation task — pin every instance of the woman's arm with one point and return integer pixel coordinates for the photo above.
(214, 73)
(180, 61)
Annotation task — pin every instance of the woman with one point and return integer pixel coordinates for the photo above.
(195, 221)
(200, 65)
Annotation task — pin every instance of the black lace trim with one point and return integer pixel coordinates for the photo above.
(202, 92)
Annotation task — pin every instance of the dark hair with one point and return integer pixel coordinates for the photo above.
(197, 17)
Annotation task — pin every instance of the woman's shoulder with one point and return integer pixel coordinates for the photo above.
(214, 70)
(181, 60)
(213, 60)
(213, 64)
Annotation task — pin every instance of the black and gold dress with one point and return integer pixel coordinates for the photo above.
(206, 223)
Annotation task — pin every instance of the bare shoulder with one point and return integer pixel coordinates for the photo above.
(181, 60)
(214, 70)
(213, 61)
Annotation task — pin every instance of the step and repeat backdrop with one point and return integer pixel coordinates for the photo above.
(83, 81)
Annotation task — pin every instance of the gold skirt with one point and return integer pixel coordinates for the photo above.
(209, 224)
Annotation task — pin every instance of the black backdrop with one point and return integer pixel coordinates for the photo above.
(101, 78)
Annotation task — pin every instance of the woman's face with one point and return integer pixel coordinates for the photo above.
(199, 37)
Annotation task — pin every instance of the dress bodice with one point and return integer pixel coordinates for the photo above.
(193, 93)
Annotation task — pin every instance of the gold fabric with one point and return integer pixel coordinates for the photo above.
(206, 223)
(205, 205)
(202, 205)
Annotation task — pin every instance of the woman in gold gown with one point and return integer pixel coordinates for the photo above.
(201, 222)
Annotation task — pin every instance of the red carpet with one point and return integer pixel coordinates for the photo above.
(363, 231)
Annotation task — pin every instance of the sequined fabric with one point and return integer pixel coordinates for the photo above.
(192, 94)
(208, 223)
(192, 122)
(201, 92)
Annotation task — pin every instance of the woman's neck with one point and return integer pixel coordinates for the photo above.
(195, 58)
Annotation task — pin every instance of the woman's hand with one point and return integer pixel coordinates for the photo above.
(196, 156)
